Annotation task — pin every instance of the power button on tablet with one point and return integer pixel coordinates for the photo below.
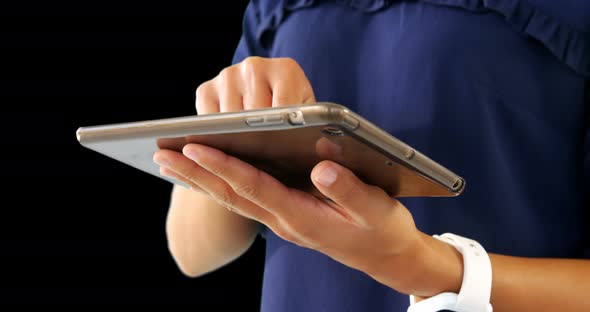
(296, 118)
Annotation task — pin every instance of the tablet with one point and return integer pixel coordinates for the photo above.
(286, 142)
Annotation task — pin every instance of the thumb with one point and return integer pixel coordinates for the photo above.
(365, 203)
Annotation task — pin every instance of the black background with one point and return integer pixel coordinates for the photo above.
(77, 226)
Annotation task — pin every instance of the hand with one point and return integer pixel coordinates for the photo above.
(360, 226)
(255, 83)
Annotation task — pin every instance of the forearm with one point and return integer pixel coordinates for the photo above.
(526, 284)
(202, 236)
(518, 284)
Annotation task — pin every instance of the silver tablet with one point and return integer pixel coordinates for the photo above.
(286, 142)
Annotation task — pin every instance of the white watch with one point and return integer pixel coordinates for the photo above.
(476, 288)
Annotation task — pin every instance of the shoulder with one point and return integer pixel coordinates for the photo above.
(575, 13)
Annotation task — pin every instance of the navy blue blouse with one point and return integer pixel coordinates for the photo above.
(495, 90)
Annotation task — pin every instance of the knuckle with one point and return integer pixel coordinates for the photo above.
(226, 75)
(225, 197)
(289, 63)
(218, 171)
(226, 81)
(204, 89)
(190, 176)
(291, 69)
(251, 66)
(204, 93)
(248, 190)
(223, 73)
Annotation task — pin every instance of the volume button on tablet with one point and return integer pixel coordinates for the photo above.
(269, 120)
(254, 121)
(273, 120)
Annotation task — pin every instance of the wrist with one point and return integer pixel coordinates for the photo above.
(475, 290)
(428, 267)
(440, 269)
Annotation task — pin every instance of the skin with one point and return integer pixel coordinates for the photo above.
(360, 226)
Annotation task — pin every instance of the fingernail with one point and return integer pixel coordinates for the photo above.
(327, 176)
(192, 154)
(162, 161)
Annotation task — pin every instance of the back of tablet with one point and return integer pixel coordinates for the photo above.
(285, 142)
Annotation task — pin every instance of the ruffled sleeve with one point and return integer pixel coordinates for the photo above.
(570, 45)
(564, 33)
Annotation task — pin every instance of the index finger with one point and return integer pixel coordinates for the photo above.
(289, 84)
(246, 180)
